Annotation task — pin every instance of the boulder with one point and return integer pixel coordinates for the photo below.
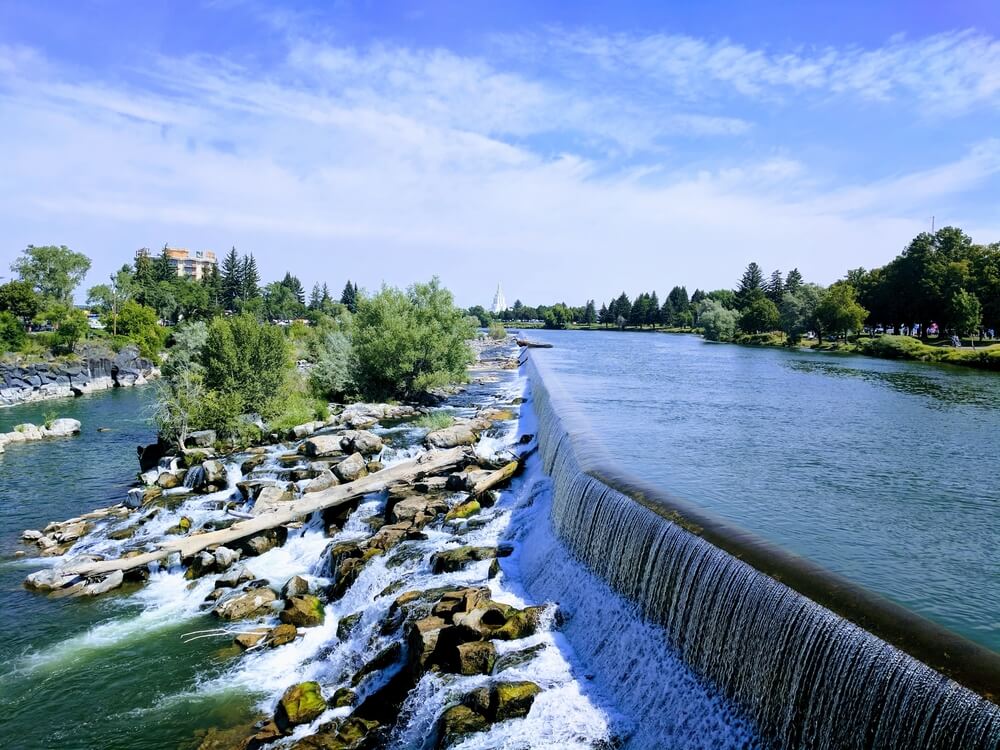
(451, 560)
(483, 707)
(299, 705)
(303, 611)
(476, 657)
(450, 437)
(167, 480)
(250, 638)
(280, 635)
(464, 510)
(322, 445)
(323, 481)
(295, 586)
(458, 722)
(262, 542)
(202, 564)
(351, 468)
(360, 441)
(512, 700)
(225, 557)
(215, 473)
(245, 604)
(62, 427)
(269, 499)
(201, 439)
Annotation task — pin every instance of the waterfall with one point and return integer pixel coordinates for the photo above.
(807, 676)
(195, 477)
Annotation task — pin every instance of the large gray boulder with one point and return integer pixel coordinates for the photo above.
(351, 468)
(243, 604)
(360, 441)
(451, 437)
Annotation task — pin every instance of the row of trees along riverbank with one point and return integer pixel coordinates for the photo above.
(941, 285)
(240, 357)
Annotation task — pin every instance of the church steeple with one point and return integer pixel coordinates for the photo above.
(499, 303)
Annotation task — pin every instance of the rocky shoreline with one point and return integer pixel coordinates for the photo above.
(30, 433)
(423, 529)
(24, 384)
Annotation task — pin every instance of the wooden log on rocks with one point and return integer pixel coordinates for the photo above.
(494, 478)
(408, 472)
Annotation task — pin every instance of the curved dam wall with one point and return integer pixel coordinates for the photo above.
(815, 660)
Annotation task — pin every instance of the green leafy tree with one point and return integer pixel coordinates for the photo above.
(798, 311)
(293, 285)
(759, 316)
(54, 271)
(839, 311)
(332, 375)
(407, 342)
(483, 318)
(12, 334)
(604, 316)
(138, 324)
(623, 310)
(19, 299)
(179, 405)
(241, 357)
(965, 313)
(717, 322)
(110, 297)
(668, 314)
(558, 316)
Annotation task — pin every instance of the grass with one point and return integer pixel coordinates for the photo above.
(905, 347)
(435, 420)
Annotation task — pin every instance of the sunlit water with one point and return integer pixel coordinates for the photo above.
(881, 471)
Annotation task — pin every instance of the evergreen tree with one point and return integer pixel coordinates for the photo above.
(640, 310)
(653, 310)
(603, 317)
(250, 278)
(775, 288)
(590, 313)
(325, 298)
(213, 285)
(162, 270)
(292, 284)
(315, 297)
(145, 274)
(232, 279)
(667, 312)
(751, 286)
(623, 309)
(349, 297)
(679, 301)
(793, 282)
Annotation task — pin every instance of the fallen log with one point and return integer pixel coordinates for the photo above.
(533, 344)
(494, 478)
(427, 464)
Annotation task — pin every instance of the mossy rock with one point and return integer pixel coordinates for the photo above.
(477, 657)
(299, 705)
(453, 560)
(512, 700)
(466, 509)
(347, 624)
(304, 611)
(517, 658)
(520, 624)
(457, 723)
(343, 697)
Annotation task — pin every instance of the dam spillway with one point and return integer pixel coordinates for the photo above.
(814, 660)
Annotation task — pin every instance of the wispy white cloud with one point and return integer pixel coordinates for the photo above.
(391, 164)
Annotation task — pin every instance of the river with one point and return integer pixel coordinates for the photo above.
(879, 470)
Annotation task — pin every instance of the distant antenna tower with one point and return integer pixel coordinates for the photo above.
(932, 225)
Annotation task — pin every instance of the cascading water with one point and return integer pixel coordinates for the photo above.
(807, 677)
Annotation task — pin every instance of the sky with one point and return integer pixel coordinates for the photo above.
(566, 150)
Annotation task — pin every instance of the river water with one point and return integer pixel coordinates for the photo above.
(882, 471)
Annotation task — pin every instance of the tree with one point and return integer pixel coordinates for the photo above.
(965, 313)
(679, 302)
(623, 309)
(332, 376)
(518, 310)
(751, 286)
(590, 313)
(557, 316)
(249, 278)
(349, 298)
(162, 269)
(19, 299)
(246, 359)
(232, 279)
(759, 316)
(653, 310)
(717, 322)
(12, 334)
(775, 288)
(793, 281)
(110, 297)
(53, 271)
(280, 302)
(667, 313)
(838, 311)
(407, 342)
(725, 297)
(315, 297)
(798, 311)
(70, 325)
(292, 284)
(179, 400)
(483, 318)
(604, 317)
(138, 324)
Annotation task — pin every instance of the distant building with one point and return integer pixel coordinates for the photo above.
(185, 263)
(499, 302)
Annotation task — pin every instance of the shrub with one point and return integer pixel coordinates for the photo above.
(331, 377)
(12, 335)
(138, 324)
(435, 420)
(405, 343)
(497, 332)
(245, 360)
(717, 322)
(296, 406)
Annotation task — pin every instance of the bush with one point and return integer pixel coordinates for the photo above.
(497, 332)
(436, 420)
(245, 360)
(12, 335)
(331, 377)
(717, 322)
(296, 406)
(138, 324)
(406, 343)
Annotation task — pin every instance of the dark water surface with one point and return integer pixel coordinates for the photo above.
(882, 471)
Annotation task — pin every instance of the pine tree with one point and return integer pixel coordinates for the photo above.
(590, 313)
(212, 281)
(793, 282)
(292, 284)
(250, 278)
(653, 310)
(232, 279)
(667, 312)
(775, 288)
(145, 274)
(162, 270)
(679, 301)
(623, 309)
(603, 316)
(751, 286)
(349, 297)
(315, 297)
(325, 299)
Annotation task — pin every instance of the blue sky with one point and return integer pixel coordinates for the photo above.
(568, 150)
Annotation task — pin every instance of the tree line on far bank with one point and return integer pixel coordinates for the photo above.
(941, 279)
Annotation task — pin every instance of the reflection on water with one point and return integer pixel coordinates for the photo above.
(879, 470)
(942, 389)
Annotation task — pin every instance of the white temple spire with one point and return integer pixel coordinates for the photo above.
(499, 302)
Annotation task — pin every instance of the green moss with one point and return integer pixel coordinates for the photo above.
(466, 509)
